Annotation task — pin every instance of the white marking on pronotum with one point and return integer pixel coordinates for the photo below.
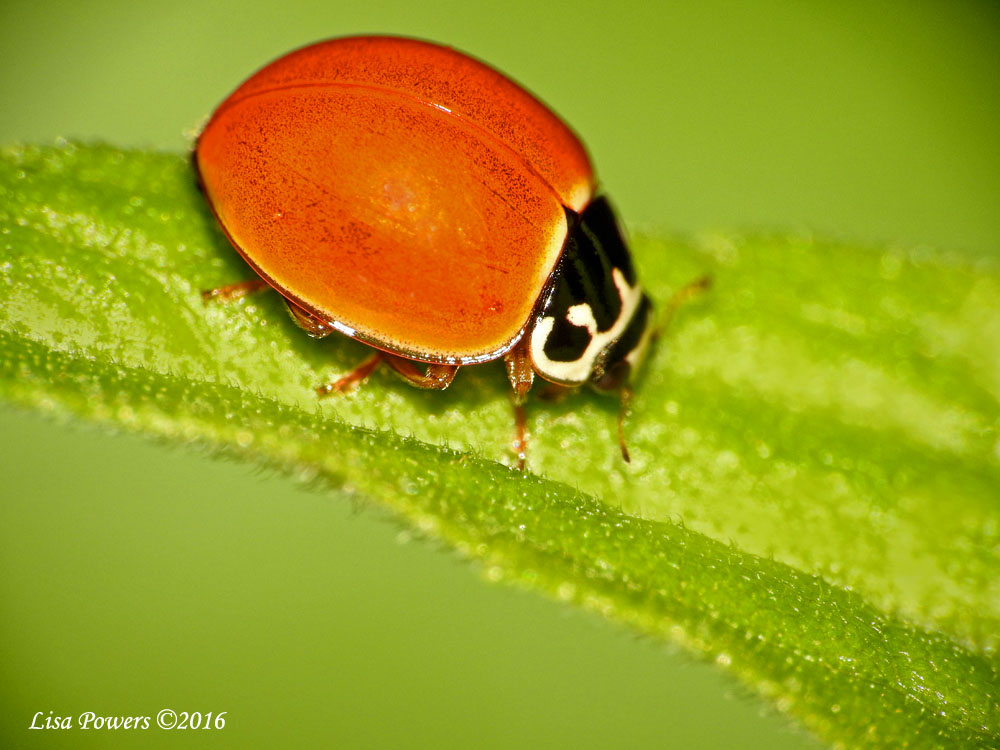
(578, 370)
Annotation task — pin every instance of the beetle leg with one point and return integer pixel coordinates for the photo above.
(232, 292)
(438, 377)
(312, 324)
(520, 442)
(521, 375)
(352, 378)
(519, 370)
(625, 394)
(554, 393)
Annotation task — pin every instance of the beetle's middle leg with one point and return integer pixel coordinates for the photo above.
(438, 376)
(353, 378)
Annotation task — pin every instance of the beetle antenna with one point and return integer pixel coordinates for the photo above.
(682, 295)
(625, 396)
(678, 298)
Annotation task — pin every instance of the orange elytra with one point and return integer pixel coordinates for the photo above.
(416, 199)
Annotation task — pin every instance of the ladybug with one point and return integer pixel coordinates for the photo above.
(417, 200)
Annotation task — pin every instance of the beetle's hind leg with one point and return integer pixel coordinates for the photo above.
(235, 291)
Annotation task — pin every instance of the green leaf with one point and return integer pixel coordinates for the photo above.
(814, 497)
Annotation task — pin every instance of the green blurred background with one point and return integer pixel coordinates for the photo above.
(136, 578)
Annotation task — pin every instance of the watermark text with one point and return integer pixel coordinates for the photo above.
(166, 718)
